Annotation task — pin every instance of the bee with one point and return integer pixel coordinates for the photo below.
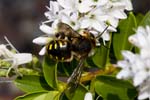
(70, 44)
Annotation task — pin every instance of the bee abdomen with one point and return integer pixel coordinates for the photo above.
(59, 50)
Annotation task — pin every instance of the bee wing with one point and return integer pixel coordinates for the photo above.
(65, 28)
(74, 79)
(76, 75)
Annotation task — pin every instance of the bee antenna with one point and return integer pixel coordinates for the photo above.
(99, 35)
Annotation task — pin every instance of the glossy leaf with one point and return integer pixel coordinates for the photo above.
(80, 93)
(111, 88)
(146, 20)
(50, 72)
(101, 56)
(120, 39)
(32, 83)
(67, 67)
(33, 96)
(89, 62)
(75, 93)
(139, 18)
(52, 95)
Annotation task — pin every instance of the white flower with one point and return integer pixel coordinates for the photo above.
(126, 65)
(142, 41)
(53, 12)
(70, 6)
(84, 6)
(99, 2)
(94, 19)
(15, 59)
(71, 20)
(144, 90)
(50, 34)
(113, 12)
(92, 15)
(128, 4)
(42, 40)
(50, 31)
(137, 66)
(88, 96)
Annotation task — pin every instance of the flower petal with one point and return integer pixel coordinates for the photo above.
(23, 58)
(54, 6)
(139, 78)
(43, 51)
(140, 39)
(106, 36)
(88, 96)
(67, 4)
(85, 22)
(120, 14)
(84, 6)
(145, 53)
(113, 21)
(99, 26)
(101, 2)
(5, 52)
(128, 56)
(128, 5)
(124, 74)
(48, 30)
(42, 40)
(144, 95)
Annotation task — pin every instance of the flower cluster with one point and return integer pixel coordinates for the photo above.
(12, 60)
(94, 15)
(137, 66)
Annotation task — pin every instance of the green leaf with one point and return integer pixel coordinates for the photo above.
(52, 95)
(50, 72)
(139, 18)
(111, 88)
(146, 20)
(120, 39)
(80, 93)
(67, 67)
(101, 55)
(99, 59)
(89, 63)
(31, 83)
(74, 93)
(33, 96)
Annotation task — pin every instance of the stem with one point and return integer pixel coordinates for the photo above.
(108, 51)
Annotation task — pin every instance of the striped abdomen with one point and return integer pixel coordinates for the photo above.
(59, 50)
